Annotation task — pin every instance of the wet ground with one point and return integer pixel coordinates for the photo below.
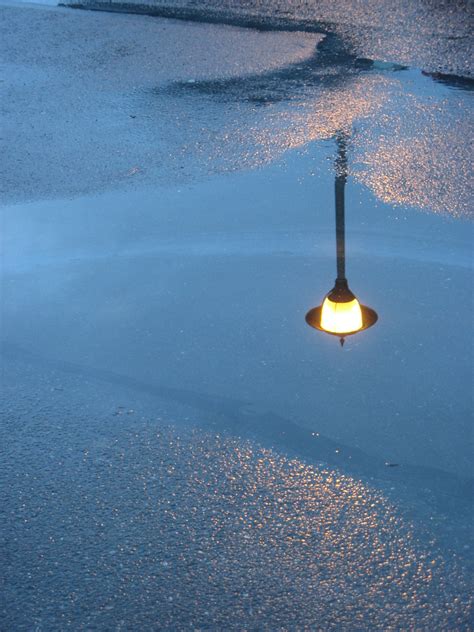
(430, 34)
(181, 451)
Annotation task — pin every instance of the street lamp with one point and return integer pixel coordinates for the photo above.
(341, 314)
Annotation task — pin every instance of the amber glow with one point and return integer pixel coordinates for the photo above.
(341, 318)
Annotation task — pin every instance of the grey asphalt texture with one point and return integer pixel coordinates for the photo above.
(431, 35)
(79, 111)
(130, 523)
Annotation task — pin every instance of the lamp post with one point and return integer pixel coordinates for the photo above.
(341, 314)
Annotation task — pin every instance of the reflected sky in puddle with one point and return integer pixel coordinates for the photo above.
(208, 286)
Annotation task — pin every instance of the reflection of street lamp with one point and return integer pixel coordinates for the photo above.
(341, 314)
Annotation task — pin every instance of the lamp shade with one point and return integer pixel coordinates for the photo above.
(341, 314)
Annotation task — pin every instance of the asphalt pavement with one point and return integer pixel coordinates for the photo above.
(180, 450)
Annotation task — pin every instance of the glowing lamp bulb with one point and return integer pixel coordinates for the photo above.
(341, 318)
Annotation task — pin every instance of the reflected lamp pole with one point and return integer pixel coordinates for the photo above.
(341, 314)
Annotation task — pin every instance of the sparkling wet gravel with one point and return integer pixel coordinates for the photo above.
(173, 529)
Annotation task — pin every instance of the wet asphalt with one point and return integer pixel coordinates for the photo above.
(179, 450)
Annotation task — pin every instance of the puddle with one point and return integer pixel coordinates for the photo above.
(208, 286)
